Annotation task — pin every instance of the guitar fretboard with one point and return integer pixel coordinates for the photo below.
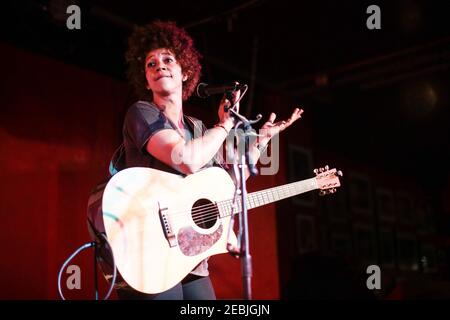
(263, 197)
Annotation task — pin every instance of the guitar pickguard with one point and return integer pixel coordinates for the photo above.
(192, 243)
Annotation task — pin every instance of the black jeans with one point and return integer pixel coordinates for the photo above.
(192, 288)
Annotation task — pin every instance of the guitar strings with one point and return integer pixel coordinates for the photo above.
(210, 212)
(287, 191)
(210, 215)
(200, 210)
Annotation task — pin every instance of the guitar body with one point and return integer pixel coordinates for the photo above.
(155, 236)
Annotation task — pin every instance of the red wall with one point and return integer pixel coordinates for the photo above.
(59, 125)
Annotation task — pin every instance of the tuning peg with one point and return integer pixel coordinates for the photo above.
(327, 167)
(321, 169)
(339, 173)
(316, 171)
(322, 193)
(333, 190)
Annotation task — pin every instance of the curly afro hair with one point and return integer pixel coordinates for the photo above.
(160, 34)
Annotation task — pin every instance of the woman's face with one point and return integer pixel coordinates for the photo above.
(163, 72)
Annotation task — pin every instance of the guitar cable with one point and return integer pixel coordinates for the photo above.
(75, 253)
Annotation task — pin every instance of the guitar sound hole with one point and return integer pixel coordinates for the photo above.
(204, 213)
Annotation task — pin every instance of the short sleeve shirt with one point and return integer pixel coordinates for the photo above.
(142, 121)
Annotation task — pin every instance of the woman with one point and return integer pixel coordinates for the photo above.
(164, 68)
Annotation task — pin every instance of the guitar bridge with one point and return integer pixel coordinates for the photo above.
(170, 236)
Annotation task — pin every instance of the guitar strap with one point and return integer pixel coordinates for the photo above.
(117, 157)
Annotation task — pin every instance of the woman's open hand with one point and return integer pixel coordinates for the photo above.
(271, 128)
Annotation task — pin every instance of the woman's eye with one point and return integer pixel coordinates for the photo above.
(169, 60)
(151, 64)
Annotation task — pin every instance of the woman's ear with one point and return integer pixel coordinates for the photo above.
(185, 77)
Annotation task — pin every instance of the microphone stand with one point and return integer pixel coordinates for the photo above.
(244, 245)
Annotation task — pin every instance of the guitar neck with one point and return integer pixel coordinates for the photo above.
(263, 197)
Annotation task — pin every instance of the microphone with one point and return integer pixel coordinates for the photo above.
(205, 90)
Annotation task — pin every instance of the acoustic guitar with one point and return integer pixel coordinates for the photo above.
(161, 225)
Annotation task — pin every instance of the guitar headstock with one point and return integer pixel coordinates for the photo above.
(327, 180)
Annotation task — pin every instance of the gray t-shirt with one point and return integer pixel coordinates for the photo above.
(142, 121)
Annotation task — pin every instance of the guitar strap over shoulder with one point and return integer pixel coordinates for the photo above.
(116, 160)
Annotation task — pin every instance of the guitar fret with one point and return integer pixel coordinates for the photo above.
(221, 208)
(252, 201)
(292, 190)
(260, 198)
(269, 196)
(266, 198)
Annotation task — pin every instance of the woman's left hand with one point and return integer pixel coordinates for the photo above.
(270, 129)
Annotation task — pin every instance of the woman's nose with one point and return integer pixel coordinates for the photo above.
(161, 66)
